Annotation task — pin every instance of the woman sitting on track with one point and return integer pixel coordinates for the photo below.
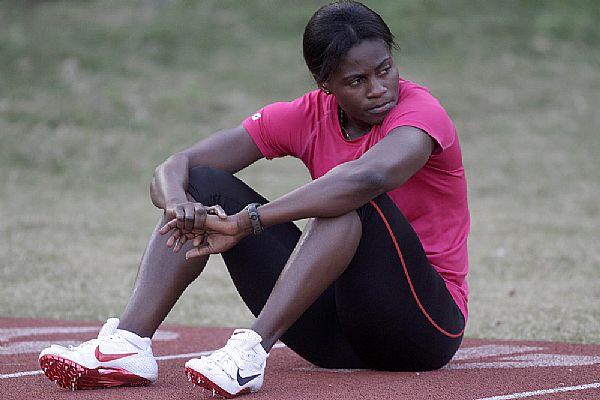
(377, 278)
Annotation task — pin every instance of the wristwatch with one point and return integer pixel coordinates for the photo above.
(257, 226)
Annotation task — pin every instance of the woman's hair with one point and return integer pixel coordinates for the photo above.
(334, 29)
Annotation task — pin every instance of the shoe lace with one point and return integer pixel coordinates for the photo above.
(227, 355)
(106, 333)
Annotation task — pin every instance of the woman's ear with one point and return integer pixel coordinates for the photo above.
(323, 87)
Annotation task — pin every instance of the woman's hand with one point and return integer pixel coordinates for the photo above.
(212, 243)
(218, 234)
(221, 234)
(187, 221)
(190, 215)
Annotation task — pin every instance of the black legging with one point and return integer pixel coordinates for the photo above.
(369, 317)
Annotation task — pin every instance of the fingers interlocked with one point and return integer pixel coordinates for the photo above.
(188, 224)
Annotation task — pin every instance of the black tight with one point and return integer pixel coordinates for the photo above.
(370, 317)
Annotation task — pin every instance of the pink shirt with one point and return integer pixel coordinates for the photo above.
(434, 199)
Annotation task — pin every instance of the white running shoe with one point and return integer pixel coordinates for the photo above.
(235, 369)
(116, 358)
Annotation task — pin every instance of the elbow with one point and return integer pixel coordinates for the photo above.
(376, 181)
(371, 182)
(177, 161)
(176, 158)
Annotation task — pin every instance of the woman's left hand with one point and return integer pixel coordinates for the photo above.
(213, 243)
(219, 234)
(180, 235)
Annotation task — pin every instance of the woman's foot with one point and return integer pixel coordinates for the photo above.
(235, 369)
(115, 358)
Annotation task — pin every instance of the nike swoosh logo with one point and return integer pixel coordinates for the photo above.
(110, 357)
(243, 381)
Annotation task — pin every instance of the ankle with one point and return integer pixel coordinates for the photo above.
(142, 342)
(136, 329)
(267, 342)
(268, 336)
(134, 338)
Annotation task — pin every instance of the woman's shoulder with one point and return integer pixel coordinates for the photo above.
(412, 93)
(309, 107)
(315, 101)
(415, 101)
(417, 107)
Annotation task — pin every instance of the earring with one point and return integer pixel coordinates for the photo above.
(326, 91)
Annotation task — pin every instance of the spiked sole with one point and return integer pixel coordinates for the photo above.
(71, 375)
(200, 380)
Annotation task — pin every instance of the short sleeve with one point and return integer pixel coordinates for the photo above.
(277, 129)
(426, 113)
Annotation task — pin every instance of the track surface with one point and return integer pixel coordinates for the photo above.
(482, 369)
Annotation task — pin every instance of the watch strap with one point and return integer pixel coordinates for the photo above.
(257, 226)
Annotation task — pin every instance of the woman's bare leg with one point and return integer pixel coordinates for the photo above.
(322, 254)
(162, 278)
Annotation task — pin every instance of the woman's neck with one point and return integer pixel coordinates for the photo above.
(350, 129)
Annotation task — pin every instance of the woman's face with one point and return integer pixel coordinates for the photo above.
(366, 83)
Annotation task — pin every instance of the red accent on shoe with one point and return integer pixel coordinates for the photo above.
(200, 380)
(110, 357)
(71, 375)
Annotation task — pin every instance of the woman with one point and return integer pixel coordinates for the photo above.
(377, 278)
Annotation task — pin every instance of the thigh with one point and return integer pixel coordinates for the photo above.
(256, 262)
(393, 306)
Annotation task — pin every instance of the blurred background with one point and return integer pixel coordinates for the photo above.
(95, 94)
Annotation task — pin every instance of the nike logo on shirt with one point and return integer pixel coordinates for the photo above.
(242, 381)
(102, 357)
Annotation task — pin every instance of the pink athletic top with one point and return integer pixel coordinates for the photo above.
(434, 199)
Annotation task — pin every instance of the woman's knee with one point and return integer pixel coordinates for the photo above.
(205, 184)
(349, 224)
(207, 176)
(211, 186)
(349, 220)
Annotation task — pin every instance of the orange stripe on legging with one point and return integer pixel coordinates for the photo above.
(412, 288)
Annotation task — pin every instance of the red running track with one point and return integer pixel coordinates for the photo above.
(482, 369)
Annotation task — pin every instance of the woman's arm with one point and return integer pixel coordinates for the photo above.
(385, 166)
(230, 150)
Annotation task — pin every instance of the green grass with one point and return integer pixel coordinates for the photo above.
(95, 94)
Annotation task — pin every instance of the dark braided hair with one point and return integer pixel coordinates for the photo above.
(334, 29)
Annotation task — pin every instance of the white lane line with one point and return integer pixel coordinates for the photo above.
(159, 358)
(20, 374)
(10, 333)
(186, 355)
(530, 361)
(277, 345)
(544, 391)
(491, 350)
